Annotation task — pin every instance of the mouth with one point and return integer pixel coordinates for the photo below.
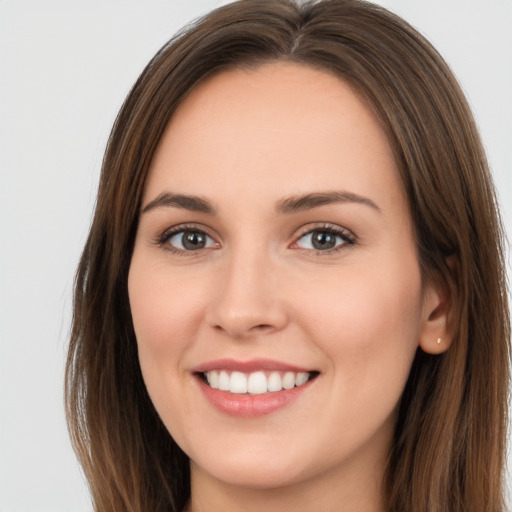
(256, 382)
(255, 388)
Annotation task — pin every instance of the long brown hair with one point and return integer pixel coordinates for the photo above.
(449, 446)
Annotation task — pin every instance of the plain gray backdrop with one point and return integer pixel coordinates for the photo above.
(65, 68)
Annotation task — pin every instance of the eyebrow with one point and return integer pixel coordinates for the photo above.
(193, 203)
(285, 206)
(316, 199)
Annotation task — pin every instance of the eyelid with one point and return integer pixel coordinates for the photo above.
(163, 239)
(345, 234)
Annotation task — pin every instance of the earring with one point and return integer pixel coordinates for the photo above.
(439, 341)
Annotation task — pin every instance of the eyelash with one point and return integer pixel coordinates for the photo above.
(182, 228)
(348, 238)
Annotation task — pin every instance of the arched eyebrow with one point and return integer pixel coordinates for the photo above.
(192, 203)
(283, 206)
(315, 199)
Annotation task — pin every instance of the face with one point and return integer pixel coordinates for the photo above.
(275, 259)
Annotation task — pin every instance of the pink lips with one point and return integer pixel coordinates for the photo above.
(245, 405)
(253, 365)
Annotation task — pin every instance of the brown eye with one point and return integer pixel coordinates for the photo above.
(324, 240)
(190, 241)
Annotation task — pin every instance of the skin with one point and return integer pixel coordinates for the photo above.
(245, 140)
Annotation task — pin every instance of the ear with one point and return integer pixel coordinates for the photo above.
(437, 329)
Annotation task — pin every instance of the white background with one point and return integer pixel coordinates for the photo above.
(65, 68)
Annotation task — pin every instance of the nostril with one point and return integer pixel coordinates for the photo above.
(262, 327)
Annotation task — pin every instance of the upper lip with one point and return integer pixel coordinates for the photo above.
(252, 365)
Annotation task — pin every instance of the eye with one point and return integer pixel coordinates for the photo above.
(188, 240)
(326, 239)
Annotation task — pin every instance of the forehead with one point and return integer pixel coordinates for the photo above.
(279, 123)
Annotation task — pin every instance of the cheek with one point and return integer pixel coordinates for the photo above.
(368, 324)
(368, 327)
(166, 314)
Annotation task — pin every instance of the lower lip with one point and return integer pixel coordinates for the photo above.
(251, 406)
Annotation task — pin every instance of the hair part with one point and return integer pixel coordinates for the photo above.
(449, 444)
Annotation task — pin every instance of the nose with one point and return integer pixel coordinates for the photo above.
(248, 301)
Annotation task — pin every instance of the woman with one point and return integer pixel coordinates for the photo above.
(293, 295)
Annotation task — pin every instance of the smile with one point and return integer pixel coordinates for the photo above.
(249, 389)
(256, 383)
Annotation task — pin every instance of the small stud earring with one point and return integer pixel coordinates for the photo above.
(439, 341)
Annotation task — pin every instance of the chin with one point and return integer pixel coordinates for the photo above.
(253, 473)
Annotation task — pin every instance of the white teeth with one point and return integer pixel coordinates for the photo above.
(223, 381)
(275, 383)
(301, 378)
(255, 383)
(289, 380)
(238, 383)
(213, 379)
